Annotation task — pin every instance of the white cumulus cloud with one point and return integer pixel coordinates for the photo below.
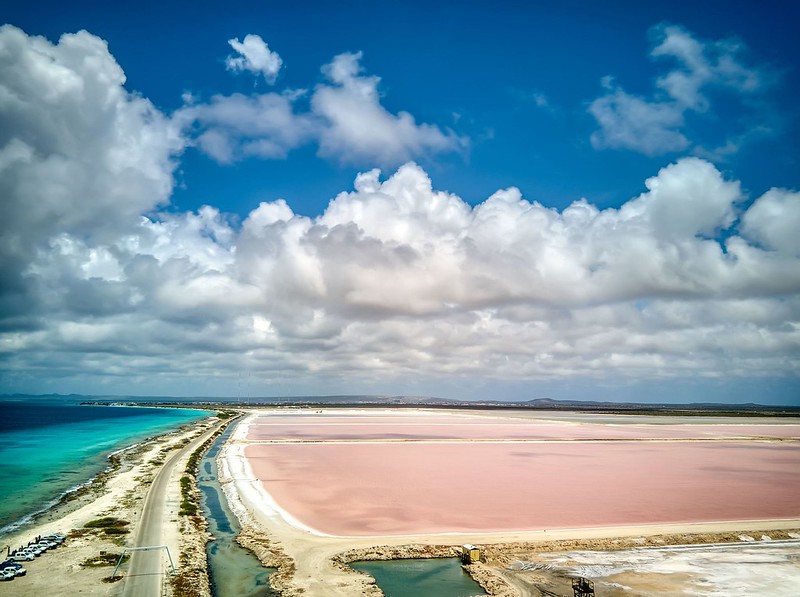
(346, 120)
(397, 282)
(774, 221)
(255, 57)
(79, 155)
(631, 122)
(231, 128)
(656, 125)
(357, 127)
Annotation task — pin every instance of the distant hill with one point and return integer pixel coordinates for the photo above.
(361, 400)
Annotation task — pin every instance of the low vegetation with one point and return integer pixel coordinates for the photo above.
(110, 579)
(188, 507)
(184, 584)
(108, 525)
(105, 558)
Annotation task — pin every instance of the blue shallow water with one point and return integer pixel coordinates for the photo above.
(51, 445)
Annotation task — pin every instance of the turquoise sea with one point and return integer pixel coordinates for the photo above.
(50, 445)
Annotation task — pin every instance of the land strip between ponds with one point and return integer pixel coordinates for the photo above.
(650, 440)
(322, 562)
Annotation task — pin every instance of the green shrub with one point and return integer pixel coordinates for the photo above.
(105, 523)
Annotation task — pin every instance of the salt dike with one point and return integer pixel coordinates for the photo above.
(314, 484)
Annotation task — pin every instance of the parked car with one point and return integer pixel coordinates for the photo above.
(17, 568)
(6, 575)
(47, 544)
(23, 556)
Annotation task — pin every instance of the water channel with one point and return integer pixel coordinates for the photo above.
(234, 571)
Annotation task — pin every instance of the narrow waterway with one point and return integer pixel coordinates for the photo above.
(438, 577)
(234, 571)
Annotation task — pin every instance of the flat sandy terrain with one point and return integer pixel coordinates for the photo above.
(407, 483)
(320, 483)
(764, 567)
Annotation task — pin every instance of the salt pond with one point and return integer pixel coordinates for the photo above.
(421, 578)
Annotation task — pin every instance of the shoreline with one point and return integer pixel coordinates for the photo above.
(74, 494)
(107, 464)
(118, 491)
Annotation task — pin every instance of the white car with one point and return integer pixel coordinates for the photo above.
(23, 556)
(6, 575)
(15, 571)
(11, 565)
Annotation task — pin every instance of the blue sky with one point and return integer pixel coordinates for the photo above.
(534, 105)
(485, 62)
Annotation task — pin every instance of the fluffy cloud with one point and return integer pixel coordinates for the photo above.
(700, 66)
(631, 122)
(79, 155)
(656, 125)
(230, 128)
(255, 57)
(774, 220)
(346, 119)
(396, 280)
(357, 127)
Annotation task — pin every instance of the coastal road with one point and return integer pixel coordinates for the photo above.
(146, 569)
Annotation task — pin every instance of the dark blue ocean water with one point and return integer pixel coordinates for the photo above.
(51, 445)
